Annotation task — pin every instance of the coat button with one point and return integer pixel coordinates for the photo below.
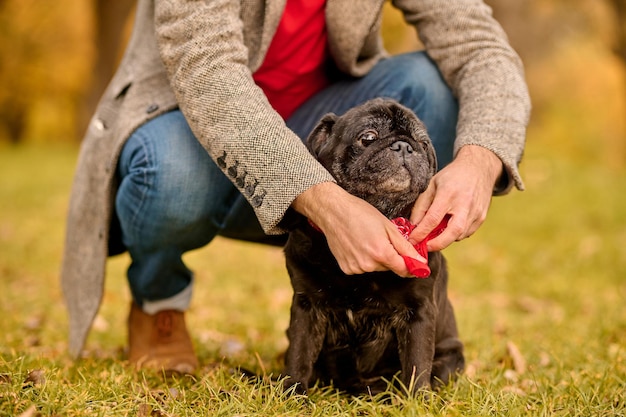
(152, 108)
(99, 124)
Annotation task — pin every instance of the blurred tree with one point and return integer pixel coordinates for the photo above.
(573, 75)
(620, 12)
(536, 27)
(15, 42)
(110, 20)
(57, 57)
(44, 67)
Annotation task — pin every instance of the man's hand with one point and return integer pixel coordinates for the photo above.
(359, 236)
(462, 189)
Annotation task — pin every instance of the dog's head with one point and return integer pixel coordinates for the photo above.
(378, 151)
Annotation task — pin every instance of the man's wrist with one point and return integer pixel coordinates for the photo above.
(483, 157)
(310, 200)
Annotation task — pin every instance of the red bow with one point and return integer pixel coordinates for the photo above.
(417, 268)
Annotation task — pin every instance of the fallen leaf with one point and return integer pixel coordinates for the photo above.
(231, 348)
(160, 396)
(519, 362)
(529, 385)
(32, 341)
(614, 350)
(514, 390)
(100, 324)
(30, 412)
(145, 410)
(511, 375)
(174, 393)
(34, 322)
(35, 377)
(473, 368)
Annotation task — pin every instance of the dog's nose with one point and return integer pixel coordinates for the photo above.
(404, 148)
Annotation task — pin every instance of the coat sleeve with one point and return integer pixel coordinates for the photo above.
(202, 47)
(484, 72)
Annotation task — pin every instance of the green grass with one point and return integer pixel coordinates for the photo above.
(546, 273)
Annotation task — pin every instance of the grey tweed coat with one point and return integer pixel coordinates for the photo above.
(199, 55)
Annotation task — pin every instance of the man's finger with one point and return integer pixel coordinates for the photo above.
(428, 223)
(404, 247)
(454, 232)
(423, 203)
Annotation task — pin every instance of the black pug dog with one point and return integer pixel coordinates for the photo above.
(358, 332)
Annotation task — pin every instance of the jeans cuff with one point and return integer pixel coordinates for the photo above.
(178, 302)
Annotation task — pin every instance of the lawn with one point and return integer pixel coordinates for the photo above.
(539, 294)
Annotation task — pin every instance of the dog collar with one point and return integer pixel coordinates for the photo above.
(405, 227)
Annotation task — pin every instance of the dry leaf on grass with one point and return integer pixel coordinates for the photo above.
(231, 348)
(511, 375)
(146, 410)
(32, 341)
(519, 362)
(163, 397)
(514, 390)
(30, 412)
(34, 378)
(473, 368)
(544, 359)
(34, 322)
(100, 324)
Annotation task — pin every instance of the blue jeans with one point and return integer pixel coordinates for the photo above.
(173, 198)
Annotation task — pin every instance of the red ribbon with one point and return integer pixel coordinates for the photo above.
(415, 267)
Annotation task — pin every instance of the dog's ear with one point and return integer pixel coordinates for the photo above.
(318, 138)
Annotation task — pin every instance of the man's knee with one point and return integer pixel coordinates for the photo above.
(419, 83)
(170, 187)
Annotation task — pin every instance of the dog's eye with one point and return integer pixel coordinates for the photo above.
(366, 138)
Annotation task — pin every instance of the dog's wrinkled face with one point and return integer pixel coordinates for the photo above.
(378, 151)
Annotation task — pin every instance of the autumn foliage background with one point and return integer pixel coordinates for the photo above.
(58, 56)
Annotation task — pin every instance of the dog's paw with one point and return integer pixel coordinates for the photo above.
(294, 387)
(447, 367)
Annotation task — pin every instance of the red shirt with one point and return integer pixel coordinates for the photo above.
(293, 69)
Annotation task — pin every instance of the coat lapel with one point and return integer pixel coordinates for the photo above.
(348, 23)
(259, 36)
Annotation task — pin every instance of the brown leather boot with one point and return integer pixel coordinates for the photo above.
(160, 341)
